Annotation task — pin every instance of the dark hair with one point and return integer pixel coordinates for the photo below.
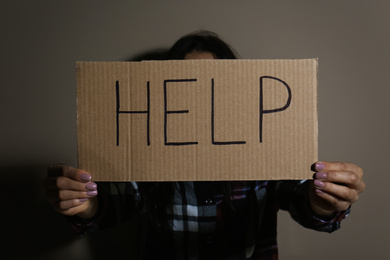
(202, 41)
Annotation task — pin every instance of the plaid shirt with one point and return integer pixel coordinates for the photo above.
(199, 226)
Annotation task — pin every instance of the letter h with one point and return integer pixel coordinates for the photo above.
(118, 112)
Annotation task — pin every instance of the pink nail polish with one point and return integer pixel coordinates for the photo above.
(92, 193)
(91, 186)
(85, 177)
(319, 166)
(321, 175)
(83, 199)
(318, 191)
(319, 184)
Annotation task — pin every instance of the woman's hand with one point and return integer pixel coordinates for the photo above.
(335, 187)
(70, 191)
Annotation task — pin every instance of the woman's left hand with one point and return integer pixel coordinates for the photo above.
(335, 187)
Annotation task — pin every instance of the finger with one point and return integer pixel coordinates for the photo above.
(76, 174)
(331, 202)
(65, 183)
(57, 170)
(349, 179)
(63, 195)
(71, 207)
(67, 204)
(339, 192)
(338, 166)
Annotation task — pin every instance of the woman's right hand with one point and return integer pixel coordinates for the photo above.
(70, 191)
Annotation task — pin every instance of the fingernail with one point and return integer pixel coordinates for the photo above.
(92, 193)
(85, 177)
(91, 186)
(319, 184)
(321, 175)
(319, 166)
(319, 191)
(83, 199)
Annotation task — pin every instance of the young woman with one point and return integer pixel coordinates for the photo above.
(206, 220)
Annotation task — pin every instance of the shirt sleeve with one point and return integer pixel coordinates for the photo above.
(293, 196)
(117, 203)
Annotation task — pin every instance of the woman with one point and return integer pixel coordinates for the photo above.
(206, 220)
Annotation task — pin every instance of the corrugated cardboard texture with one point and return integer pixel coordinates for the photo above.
(197, 119)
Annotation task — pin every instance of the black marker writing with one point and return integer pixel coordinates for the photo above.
(168, 112)
(147, 112)
(213, 125)
(264, 111)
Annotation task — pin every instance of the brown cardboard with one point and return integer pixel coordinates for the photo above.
(197, 119)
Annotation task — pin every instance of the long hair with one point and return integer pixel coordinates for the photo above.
(161, 194)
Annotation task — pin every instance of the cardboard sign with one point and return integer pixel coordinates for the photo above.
(197, 119)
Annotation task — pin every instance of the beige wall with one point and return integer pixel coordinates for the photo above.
(41, 40)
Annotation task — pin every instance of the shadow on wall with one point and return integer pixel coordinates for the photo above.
(31, 226)
(33, 230)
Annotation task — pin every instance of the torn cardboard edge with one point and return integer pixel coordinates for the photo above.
(197, 119)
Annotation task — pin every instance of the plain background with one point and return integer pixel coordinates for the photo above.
(42, 40)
